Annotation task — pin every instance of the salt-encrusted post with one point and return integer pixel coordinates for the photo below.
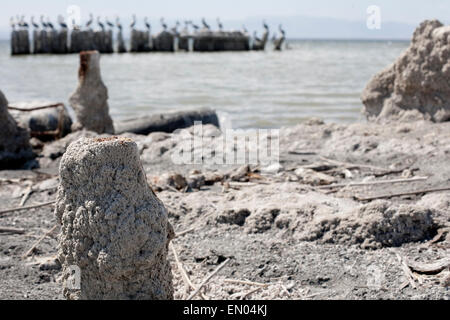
(114, 230)
(90, 100)
(15, 149)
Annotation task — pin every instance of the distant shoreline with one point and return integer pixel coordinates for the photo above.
(316, 39)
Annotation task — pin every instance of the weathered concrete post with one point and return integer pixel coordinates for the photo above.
(90, 100)
(114, 230)
(164, 42)
(134, 41)
(52, 38)
(37, 42)
(109, 42)
(20, 42)
(14, 42)
(121, 48)
(15, 149)
(60, 42)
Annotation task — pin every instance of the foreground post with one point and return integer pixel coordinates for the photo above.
(114, 229)
(90, 100)
(15, 149)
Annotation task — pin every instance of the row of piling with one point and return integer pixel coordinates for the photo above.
(64, 42)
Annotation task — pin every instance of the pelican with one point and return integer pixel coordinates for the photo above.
(44, 24)
(175, 28)
(196, 27)
(283, 33)
(90, 21)
(74, 25)
(109, 23)
(35, 25)
(219, 23)
(244, 29)
(163, 24)
(49, 24)
(100, 24)
(118, 24)
(186, 27)
(256, 37)
(205, 24)
(133, 22)
(23, 23)
(147, 24)
(61, 22)
(265, 25)
(12, 23)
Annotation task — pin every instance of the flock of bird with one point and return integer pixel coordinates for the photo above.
(46, 24)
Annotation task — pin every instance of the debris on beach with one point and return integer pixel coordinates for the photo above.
(416, 85)
(90, 99)
(15, 148)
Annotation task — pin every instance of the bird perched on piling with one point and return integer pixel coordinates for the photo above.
(133, 22)
(205, 25)
(35, 25)
(196, 27)
(163, 24)
(100, 24)
(44, 24)
(50, 24)
(244, 30)
(147, 24)
(23, 23)
(185, 30)
(74, 25)
(255, 36)
(283, 33)
(90, 21)
(12, 23)
(118, 24)
(109, 23)
(61, 22)
(174, 30)
(219, 24)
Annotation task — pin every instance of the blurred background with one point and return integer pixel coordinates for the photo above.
(331, 53)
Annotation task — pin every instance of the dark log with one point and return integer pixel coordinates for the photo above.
(168, 122)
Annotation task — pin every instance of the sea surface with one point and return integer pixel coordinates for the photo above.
(314, 78)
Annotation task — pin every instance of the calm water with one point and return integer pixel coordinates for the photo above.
(252, 89)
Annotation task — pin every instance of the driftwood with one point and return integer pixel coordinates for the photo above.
(429, 268)
(58, 133)
(39, 205)
(182, 233)
(245, 282)
(402, 194)
(168, 122)
(184, 275)
(349, 165)
(12, 230)
(33, 247)
(206, 280)
(370, 183)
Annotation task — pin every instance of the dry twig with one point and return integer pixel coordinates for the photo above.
(11, 230)
(39, 205)
(38, 242)
(204, 282)
(184, 275)
(402, 194)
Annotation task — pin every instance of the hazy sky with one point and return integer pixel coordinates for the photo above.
(405, 11)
